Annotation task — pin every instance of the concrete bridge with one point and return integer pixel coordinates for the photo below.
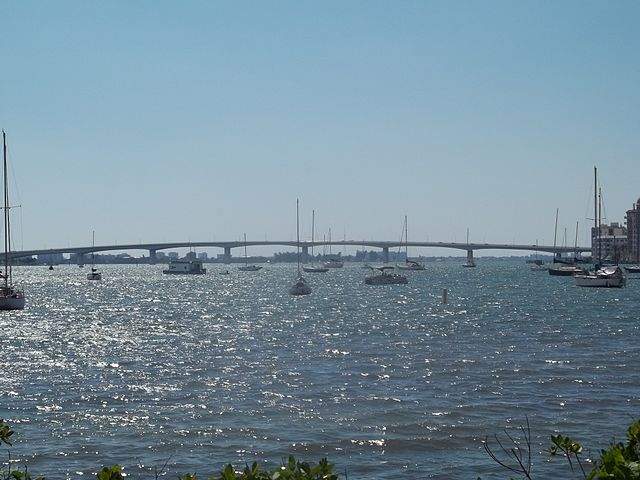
(384, 245)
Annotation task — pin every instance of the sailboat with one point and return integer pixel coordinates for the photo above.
(560, 268)
(603, 277)
(470, 263)
(333, 262)
(300, 287)
(10, 297)
(538, 265)
(94, 274)
(312, 268)
(408, 264)
(246, 267)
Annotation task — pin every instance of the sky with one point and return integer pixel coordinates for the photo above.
(155, 121)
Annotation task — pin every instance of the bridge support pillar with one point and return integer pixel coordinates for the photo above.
(227, 254)
(153, 257)
(81, 259)
(470, 260)
(305, 253)
(385, 254)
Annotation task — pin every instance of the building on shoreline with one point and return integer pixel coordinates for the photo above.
(611, 244)
(633, 232)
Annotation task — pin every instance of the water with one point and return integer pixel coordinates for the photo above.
(141, 368)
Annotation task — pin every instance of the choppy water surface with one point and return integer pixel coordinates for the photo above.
(141, 368)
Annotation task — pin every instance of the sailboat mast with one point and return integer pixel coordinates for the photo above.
(245, 248)
(313, 230)
(298, 231)
(575, 243)
(329, 240)
(555, 230)
(599, 224)
(406, 240)
(595, 209)
(93, 244)
(467, 235)
(7, 265)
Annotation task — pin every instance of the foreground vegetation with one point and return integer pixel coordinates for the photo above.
(619, 461)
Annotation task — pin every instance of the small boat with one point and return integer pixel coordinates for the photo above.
(224, 272)
(602, 276)
(470, 263)
(632, 268)
(94, 274)
(564, 270)
(11, 298)
(605, 277)
(315, 269)
(408, 264)
(50, 267)
(384, 277)
(538, 267)
(185, 267)
(333, 262)
(246, 267)
(300, 286)
(312, 268)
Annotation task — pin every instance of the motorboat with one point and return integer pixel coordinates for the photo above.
(185, 267)
(300, 287)
(384, 277)
(632, 268)
(225, 272)
(605, 277)
(11, 298)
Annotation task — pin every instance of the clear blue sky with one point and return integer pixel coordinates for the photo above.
(194, 120)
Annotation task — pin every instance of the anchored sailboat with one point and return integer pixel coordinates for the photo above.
(408, 264)
(94, 274)
(470, 263)
(300, 287)
(247, 267)
(603, 277)
(10, 297)
(311, 268)
(333, 262)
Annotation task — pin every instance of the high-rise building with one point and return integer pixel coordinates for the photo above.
(633, 232)
(613, 242)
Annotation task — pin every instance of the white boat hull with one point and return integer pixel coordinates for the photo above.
(414, 268)
(606, 277)
(315, 269)
(250, 268)
(594, 281)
